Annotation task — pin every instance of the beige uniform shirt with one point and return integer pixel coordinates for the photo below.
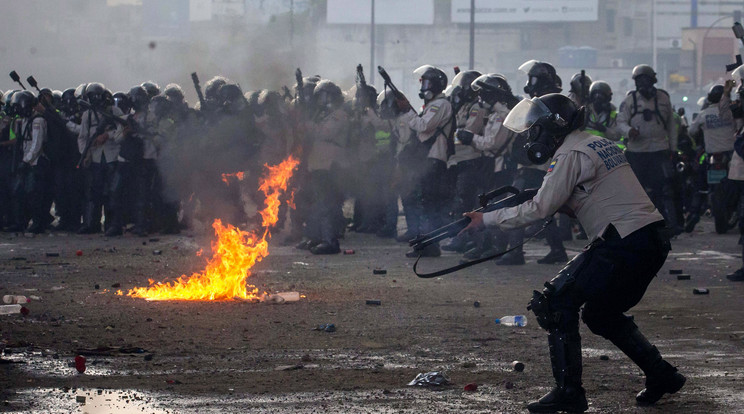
(329, 137)
(110, 148)
(717, 124)
(33, 142)
(436, 114)
(654, 135)
(473, 118)
(495, 138)
(590, 176)
(404, 132)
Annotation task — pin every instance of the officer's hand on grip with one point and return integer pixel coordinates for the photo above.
(476, 222)
(464, 136)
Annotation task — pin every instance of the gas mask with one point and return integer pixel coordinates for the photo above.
(600, 102)
(541, 145)
(426, 93)
(645, 86)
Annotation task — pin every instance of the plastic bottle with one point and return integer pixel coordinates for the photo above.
(10, 309)
(15, 299)
(289, 296)
(515, 320)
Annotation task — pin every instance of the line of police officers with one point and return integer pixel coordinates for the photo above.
(141, 156)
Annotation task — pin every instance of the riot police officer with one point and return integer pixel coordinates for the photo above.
(496, 95)
(32, 176)
(328, 133)
(433, 127)
(716, 124)
(611, 275)
(579, 92)
(646, 119)
(601, 113)
(96, 134)
(467, 164)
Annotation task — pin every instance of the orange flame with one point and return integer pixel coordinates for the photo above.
(239, 175)
(233, 253)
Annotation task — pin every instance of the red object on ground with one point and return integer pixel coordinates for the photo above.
(471, 387)
(349, 251)
(80, 363)
(79, 252)
(24, 311)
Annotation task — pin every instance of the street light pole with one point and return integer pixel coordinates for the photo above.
(471, 66)
(371, 70)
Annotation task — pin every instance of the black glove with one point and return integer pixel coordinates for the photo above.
(465, 137)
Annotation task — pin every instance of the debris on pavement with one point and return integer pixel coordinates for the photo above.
(683, 277)
(379, 271)
(433, 378)
(518, 366)
(675, 271)
(325, 327)
(700, 291)
(349, 251)
(80, 363)
(376, 302)
(472, 387)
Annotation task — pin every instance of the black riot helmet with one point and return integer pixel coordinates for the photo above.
(433, 81)
(230, 98)
(46, 96)
(139, 98)
(211, 87)
(600, 96)
(69, 103)
(56, 98)
(160, 106)
(152, 88)
(387, 105)
(174, 93)
(327, 95)
(464, 91)
(363, 97)
(25, 102)
(122, 101)
(492, 88)
(271, 103)
(95, 94)
(547, 120)
(715, 94)
(308, 86)
(541, 78)
(580, 84)
(11, 102)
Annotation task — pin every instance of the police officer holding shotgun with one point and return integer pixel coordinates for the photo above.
(611, 275)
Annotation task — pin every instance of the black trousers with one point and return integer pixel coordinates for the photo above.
(434, 195)
(30, 185)
(326, 206)
(609, 278)
(656, 174)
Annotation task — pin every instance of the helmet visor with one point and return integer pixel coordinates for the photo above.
(422, 69)
(526, 66)
(526, 114)
(738, 73)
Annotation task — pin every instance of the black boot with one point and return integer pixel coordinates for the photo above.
(553, 257)
(90, 224)
(661, 377)
(331, 247)
(565, 359)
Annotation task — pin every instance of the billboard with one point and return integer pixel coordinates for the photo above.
(517, 11)
(386, 11)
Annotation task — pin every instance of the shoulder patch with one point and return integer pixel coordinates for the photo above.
(433, 108)
(474, 112)
(552, 165)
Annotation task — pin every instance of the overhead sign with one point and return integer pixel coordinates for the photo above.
(386, 11)
(517, 11)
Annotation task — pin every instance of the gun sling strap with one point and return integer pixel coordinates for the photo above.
(477, 261)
